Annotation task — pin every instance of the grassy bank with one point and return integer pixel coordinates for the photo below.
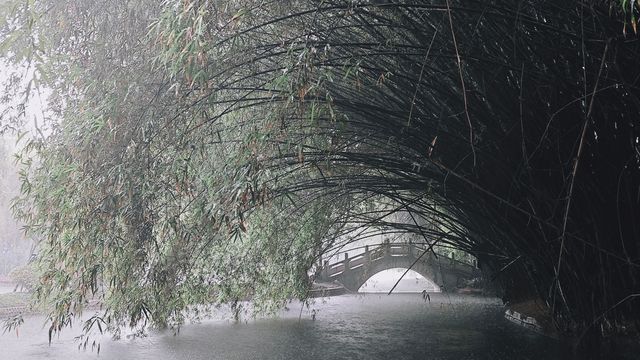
(14, 299)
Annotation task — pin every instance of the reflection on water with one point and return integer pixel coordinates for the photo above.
(346, 327)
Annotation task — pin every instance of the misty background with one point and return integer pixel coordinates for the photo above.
(14, 248)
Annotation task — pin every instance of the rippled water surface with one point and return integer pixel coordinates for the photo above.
(369, 326)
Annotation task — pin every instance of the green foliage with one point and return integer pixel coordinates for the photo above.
(139, 199)
(629, 9)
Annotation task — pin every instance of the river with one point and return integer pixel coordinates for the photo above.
(371, 326)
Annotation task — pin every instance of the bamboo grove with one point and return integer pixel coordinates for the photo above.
(211, 150)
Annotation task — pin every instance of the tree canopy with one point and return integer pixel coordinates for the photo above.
(208, 151)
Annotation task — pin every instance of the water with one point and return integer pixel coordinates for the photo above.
(371, 326)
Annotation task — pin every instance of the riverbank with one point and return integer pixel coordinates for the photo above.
(536, 316)
(533, 314)
(14, 299)
(322, 289)
(14, 303)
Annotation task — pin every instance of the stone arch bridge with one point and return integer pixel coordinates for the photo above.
(353, 272)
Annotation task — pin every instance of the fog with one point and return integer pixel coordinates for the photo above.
(14, 248)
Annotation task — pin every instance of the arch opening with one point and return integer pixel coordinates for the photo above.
(383, 281)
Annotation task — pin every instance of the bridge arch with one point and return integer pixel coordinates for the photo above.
(382, 282)
(360, 275)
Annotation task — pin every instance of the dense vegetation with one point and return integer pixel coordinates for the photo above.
(202, 151)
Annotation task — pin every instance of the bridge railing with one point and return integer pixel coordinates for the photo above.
(346, 264)
(369, 255)
(388, 250)
(459, 267)
(375, 254)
